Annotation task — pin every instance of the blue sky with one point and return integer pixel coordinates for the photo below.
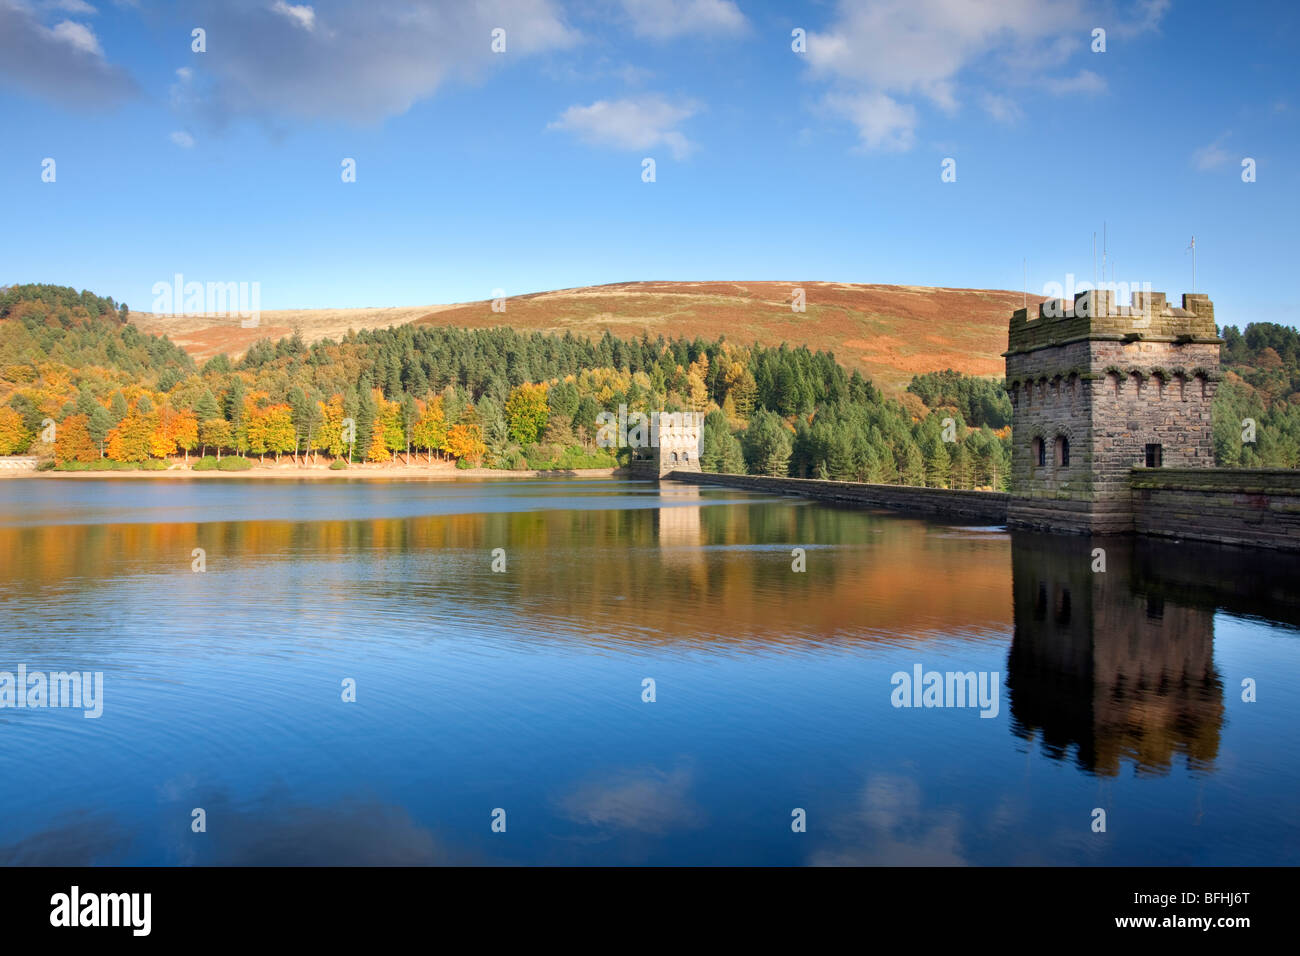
(522, 170)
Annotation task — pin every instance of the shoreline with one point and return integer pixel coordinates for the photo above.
(323, 472)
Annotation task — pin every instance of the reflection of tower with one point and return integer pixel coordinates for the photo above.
(677, 525)
(679, 516)
(1096, 665)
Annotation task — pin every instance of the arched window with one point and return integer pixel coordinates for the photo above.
(1062, 455)
(1039, 451)
(686, 456)
(674, 458)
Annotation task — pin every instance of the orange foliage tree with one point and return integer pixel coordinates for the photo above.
(161, 441)
(129, 440)
(72, 441)
(185, 431)
(466, 441)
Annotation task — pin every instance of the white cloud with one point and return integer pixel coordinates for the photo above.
(645, 800)
(663, 19)
(1085, 81)
(919, 46)
(1212, 155)
(181, 93)
(882, 122)
(637, 123)
(1144, 17)
(1001, 108)
(183, 139)
(303, 16)
(876, 56)
(76, 7)
(64, 62)
(360, 60)
(78, 36)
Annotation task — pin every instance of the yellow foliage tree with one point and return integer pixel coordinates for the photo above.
(430, 432)
(14, 436)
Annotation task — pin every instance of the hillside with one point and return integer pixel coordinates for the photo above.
(889, 333)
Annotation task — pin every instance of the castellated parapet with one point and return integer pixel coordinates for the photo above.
(1098, 389)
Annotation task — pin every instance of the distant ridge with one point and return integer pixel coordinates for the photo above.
(889, 332)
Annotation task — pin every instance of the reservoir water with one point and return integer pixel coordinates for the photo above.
(644, 678)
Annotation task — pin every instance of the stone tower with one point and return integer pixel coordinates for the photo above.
(1099, 389)
(676, 440)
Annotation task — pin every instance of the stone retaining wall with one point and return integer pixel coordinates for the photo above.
(1251, 507)
(988, 506)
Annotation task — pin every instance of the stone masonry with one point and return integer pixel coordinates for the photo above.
(676, 439)
(1099, 389)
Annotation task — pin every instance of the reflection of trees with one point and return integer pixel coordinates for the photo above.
(711, 568)
(1116, 672)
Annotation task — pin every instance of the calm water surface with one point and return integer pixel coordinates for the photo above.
(522, 690)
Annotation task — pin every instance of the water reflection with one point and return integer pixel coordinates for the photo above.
(1117, 666)
(523, 689)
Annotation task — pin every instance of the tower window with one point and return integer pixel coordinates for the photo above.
(1155, 456)
(1039, 451)
(1062, 451)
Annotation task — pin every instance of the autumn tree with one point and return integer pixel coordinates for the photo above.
(185, 431)
(527, 412)
(280, 435)
(72, 441)
(162, 442)
(430, 432)
(390, 424)
(14, 436)
(129, 439)
(466, 442)
(217, 433)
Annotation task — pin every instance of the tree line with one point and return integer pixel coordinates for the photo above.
(500, 398)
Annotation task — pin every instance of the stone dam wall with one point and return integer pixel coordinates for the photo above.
(1254, 508)
(1249, 507)
(985, 506)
